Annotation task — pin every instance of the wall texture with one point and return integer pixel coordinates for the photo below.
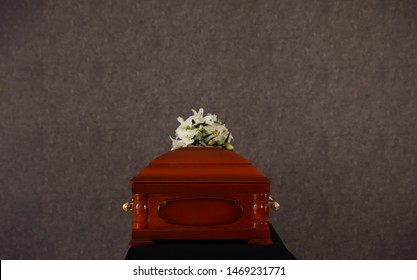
(320, 95)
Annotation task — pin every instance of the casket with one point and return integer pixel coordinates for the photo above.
(200, 193)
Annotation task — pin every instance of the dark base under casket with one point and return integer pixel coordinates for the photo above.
(211, 250)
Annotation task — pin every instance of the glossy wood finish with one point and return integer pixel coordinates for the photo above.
(182, 211)
(202, 165)
(200, 193)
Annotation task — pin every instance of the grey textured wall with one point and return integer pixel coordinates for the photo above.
(320, 96)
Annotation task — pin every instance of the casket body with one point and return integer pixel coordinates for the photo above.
(200, 193)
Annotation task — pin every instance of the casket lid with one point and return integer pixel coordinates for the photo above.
(200, 165)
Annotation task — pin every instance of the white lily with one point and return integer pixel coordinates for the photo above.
(177, 143)
(210, 119)
(201, 130)
(185, 124)
(218, 132)
(198, 116)
(187, 135)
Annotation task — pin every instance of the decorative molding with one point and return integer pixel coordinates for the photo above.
(200, 211)
(140, 211)
(260, 210)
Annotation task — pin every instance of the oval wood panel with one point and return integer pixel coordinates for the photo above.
(200, 211)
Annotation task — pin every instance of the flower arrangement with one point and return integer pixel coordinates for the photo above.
(200, 130)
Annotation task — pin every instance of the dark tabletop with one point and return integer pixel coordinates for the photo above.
(211, 250)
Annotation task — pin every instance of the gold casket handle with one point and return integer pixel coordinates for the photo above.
(273, 204)
(127, 206)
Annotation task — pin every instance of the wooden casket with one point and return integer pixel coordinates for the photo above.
(200, 193)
